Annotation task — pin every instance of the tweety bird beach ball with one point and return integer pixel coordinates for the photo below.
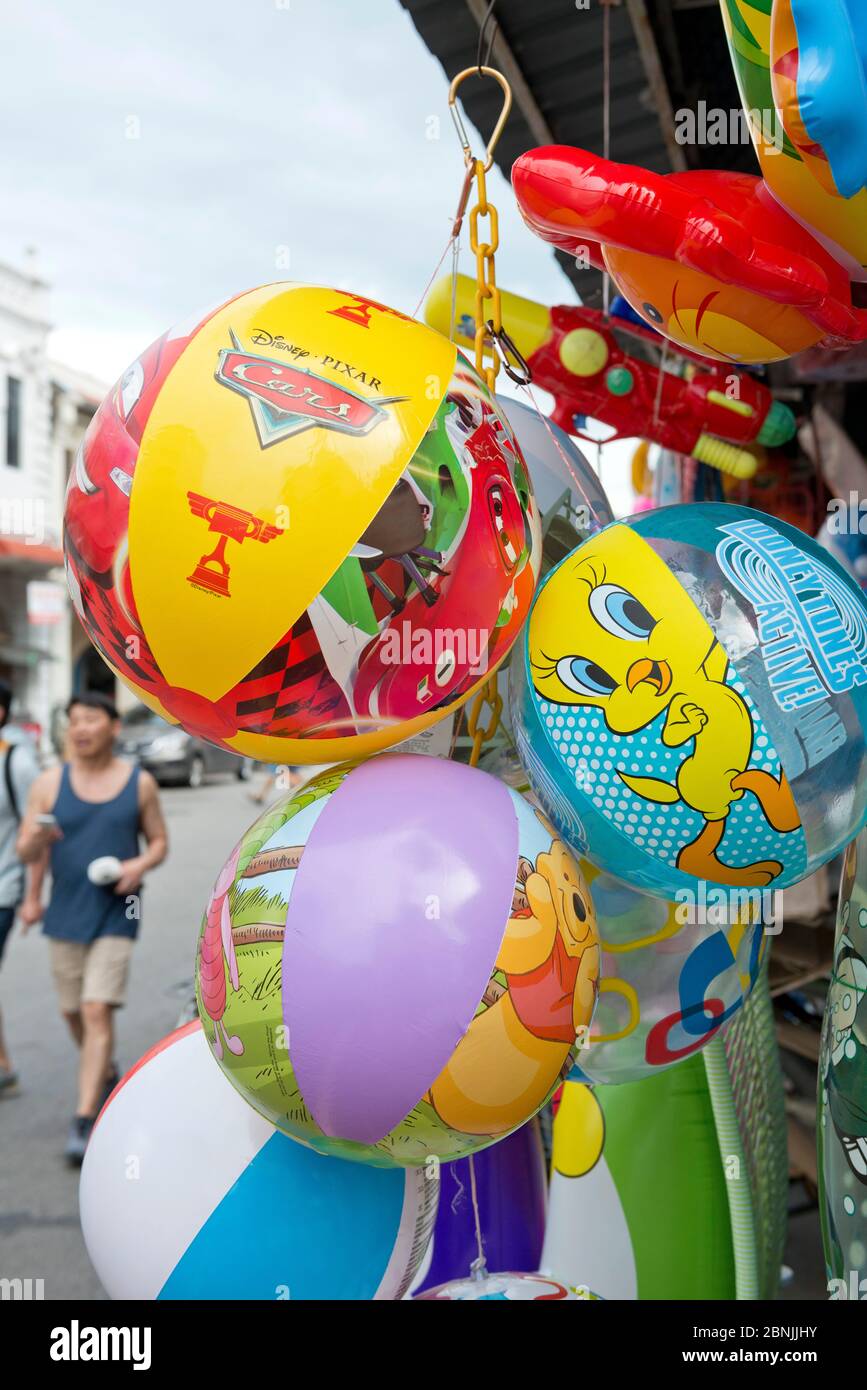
(691, 699)
(398, 961)
(301, 527)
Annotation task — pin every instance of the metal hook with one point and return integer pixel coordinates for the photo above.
(503, 117)
(507, 352)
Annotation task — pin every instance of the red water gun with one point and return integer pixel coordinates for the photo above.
(707, 410)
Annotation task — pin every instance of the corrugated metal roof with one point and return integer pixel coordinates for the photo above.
(559, 50)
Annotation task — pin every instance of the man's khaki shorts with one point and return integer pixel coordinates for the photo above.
(93, 972)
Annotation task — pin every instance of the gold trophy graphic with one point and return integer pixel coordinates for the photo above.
(230, 523)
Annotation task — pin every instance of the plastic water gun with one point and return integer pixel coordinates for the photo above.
(710, 412)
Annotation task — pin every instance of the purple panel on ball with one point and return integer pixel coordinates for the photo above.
(396, 916)
(512, 1192)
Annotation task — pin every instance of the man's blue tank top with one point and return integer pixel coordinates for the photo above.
(80, 910)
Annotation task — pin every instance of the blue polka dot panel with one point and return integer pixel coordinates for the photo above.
(690, 700)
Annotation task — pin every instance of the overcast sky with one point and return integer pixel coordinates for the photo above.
(260, 125)
(159, 156)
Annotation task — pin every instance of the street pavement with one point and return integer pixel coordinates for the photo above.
(40, 1237)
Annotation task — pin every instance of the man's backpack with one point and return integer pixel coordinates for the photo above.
(10, 785)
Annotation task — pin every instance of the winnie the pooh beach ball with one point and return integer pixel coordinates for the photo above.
(398, 961)
(691, 700)
(301, 527)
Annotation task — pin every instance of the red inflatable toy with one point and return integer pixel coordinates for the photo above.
(709, 259)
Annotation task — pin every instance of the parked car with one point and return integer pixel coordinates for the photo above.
(174, 757)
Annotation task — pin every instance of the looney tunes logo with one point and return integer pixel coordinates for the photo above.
(812, 627)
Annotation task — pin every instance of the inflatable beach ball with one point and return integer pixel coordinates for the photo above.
(397, 962)
(638, 1203)
(669, 981)
(799, 66)
(509, 1288)
(510, 1184)
(571, 500)
(187, 1193)
(691, 700)
(842, 1112)
(301, 527)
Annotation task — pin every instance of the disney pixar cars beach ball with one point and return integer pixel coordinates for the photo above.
(300, 526)
(397, 961)
(691, 700)
(187, 1193)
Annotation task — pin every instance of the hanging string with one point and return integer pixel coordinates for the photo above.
(494, 29)
(453, 310)
(478, 1267)
(660, 380)
(459, 1195)
(606, 124)
(452, 241)
(688, 476)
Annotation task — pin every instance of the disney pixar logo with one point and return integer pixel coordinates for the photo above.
(284, 399)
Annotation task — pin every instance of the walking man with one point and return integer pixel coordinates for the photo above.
(18, 770)
(97, 805)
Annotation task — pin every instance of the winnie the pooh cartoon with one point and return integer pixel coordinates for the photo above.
(539, 1002)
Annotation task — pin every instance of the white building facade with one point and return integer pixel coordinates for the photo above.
(44, 412)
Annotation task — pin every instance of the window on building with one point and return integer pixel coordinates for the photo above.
(13, 422)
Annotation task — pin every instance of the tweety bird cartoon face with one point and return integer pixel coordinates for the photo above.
(701, 313)
(613, 629)
(708, 257)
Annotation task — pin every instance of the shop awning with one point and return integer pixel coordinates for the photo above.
(16, 552)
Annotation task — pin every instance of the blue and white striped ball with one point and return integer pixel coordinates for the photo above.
(188, 1193)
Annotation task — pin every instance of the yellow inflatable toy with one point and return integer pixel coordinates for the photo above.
(790, 103)
(300, 526)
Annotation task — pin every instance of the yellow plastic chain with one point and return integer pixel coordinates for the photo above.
(488, 695)
(486, 281)
(489, 326)
(490, 320)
